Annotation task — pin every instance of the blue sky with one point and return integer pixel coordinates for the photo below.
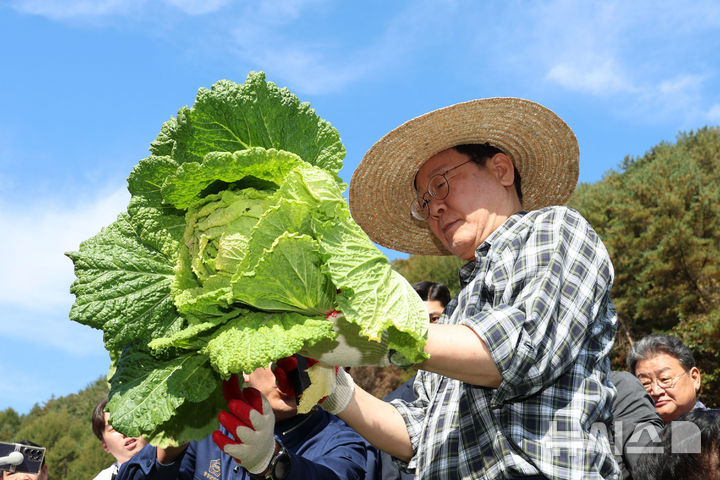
(86, 85)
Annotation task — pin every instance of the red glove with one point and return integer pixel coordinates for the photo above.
(251, 421)
(283, 369)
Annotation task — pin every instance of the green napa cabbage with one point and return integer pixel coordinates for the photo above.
(235, 245)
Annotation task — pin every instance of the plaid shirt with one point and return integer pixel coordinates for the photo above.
(538, 294)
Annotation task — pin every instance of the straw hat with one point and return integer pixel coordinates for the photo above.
(542, 146)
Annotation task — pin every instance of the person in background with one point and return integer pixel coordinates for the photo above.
(435, 295)
(43, 475)
(666, 368)
(635, 423)
(115, 443)
(690, 449)
(263, 436)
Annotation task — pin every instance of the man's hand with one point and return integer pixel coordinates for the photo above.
(341, 394)
(349, 348)
(251, 422)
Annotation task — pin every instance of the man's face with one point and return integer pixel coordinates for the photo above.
(480, 199)
(670, 403)
(27, 476)
(118, 445)
(282, 402)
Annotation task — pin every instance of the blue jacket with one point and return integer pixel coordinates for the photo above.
(321, 446)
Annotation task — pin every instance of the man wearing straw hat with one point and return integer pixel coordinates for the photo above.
(516, 385)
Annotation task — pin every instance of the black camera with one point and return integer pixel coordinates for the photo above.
(16, 457)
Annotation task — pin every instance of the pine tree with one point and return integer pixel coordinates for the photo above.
(659, 219)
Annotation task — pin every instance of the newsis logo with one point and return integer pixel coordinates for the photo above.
(645, 438)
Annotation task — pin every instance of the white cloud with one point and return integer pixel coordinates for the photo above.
(280, 11)
(596, 78)
(263, 36)
(36, 273)
(74, 9)
(680, 84)
(197, 7)
(680, 98)
(44, 357)
(654, 60)
(20, 388)
(34, 287)
(320, 64)
(713, 115)
(630, 52)
(50, 330)
(62, 10)
(577, 44)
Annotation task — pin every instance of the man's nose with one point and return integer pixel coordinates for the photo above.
(436, 207)
(656, 390)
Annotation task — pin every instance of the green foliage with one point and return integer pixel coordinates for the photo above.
(380, 381)
(63, 426)
(660, 221)
(441, 269)
(92, 459)
(9, 424)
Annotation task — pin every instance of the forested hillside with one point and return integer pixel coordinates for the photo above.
(659, 217)
(427, 267)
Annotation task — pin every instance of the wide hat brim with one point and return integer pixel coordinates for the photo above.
(543, 147)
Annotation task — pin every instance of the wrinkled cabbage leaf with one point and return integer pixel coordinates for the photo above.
(236, 244)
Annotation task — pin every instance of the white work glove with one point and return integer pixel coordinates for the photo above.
(252, 422)
(349, 349)
(341, 391)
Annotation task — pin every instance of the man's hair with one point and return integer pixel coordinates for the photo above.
(98, 420)
(652, 345)
(479, 154)
(433, 291)
(674, 465)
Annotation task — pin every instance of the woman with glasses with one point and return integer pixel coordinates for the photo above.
(666, 368)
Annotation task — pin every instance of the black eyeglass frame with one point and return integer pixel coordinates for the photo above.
(419, 207)
(670, 383)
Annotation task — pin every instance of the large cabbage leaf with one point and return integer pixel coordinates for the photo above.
(235, 245)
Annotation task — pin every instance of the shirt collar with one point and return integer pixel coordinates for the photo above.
(467, 271)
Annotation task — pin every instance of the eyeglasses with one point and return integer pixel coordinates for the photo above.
(438, 188)
(663, 383)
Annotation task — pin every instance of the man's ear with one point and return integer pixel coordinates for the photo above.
(504, 169)
(696, 378)
(104, 445)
